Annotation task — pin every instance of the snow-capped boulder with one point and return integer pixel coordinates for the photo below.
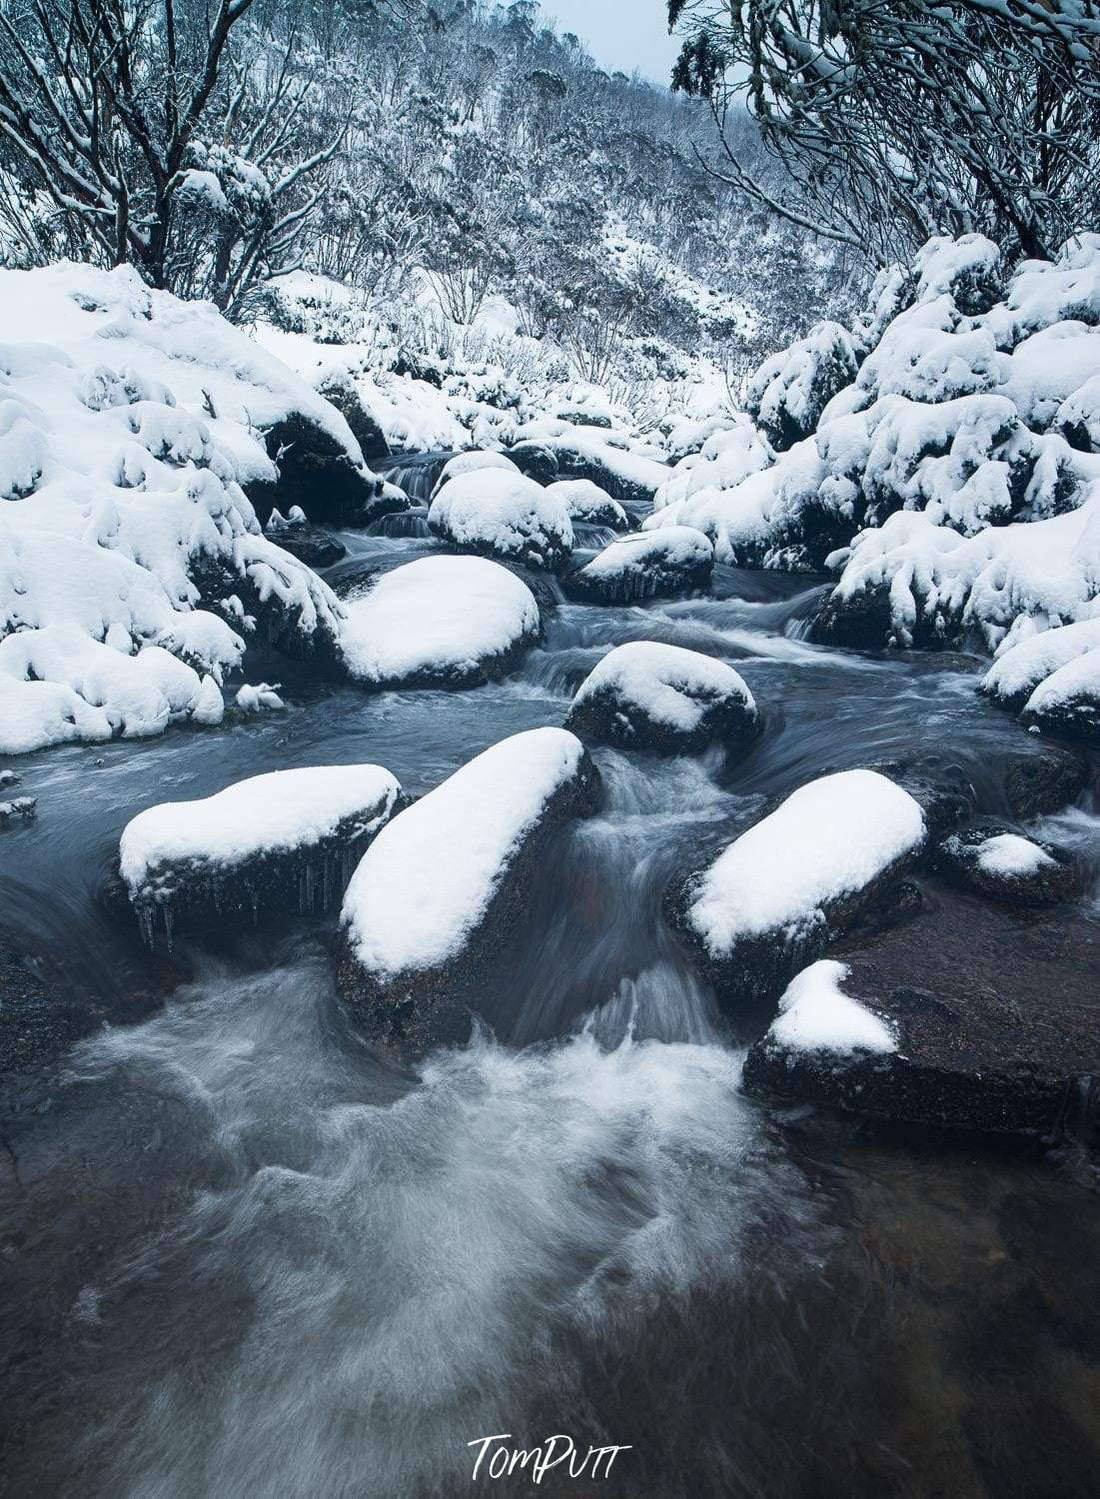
(1001, 863)
(502, 514)
(1068, 701)
(130, 426)
(472, 462)
(17, 809)
(1017, 672)
(780, 893)
(649, 564)
(649, 696)
(286, 841)
(441, 622)
(558, 450)
(437, 893)
(588, 503)
(956, 1019)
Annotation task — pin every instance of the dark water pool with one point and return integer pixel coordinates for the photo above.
(243, 1257)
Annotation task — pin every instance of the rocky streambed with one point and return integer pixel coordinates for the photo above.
(250, 1250)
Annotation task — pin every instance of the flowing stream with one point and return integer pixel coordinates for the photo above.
(247, 1258)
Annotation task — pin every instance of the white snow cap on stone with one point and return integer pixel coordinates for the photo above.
(501, 510)
(273, 813)
(816, 1015)
(426, 881)
(673, 685)
(586, 501)
(1019, 670)
(679, 546)
(830, 838)
(471, 463)
(1009, 854)
(438, 615)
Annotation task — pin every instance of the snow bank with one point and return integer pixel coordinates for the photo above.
(646, 695)
(130, 423)
(674, 559)
(504, 514)
(440, 620)
(816, 1015)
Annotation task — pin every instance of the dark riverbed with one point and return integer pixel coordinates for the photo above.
(244, 1257)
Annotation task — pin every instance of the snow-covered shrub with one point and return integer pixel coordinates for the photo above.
(131, 562)
(789, 392)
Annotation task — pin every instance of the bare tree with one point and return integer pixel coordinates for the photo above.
(159, 144)
(896, 121)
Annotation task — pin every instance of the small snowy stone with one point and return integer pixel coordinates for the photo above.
(1009, 854)
(649, 564)
(589, 503)
(816, 1015)
(260, 698)
(209, 706)
(22, 807)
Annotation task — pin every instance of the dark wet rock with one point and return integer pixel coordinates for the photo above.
(649, 696)
(942, 788)
(310, 544)
(863, 621)
(996, 1015)
(342, 394)
(785, 891)
(422, 932)
(999, 862)
(303, 630)
(18, 809)
(281, 843)
(1044, 782)
(665, 563)
(316, 472)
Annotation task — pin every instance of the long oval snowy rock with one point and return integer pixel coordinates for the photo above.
(1068, 701)
(1016, 674)
(646, 565)
(775, 898)
(589, 503)
(284, 841)
(645, 695)
(439, 621)
(441, 885)
(502, 514)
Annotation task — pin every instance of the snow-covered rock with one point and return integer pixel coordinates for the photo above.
(1018, 671)
(502, 514)
(286, 841)
(1000, 863)
(471, 462)
(438, 891)
(588, 503)
(775, 898)
(788, 393)
(312, 545)
(18, 809)
(649, 564)
(559, 450)
(258, 697)
(439, 621)
(1068, 701)
(130, 426)
(645, 695)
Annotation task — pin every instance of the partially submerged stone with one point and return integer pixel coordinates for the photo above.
(439, 622)
(286, 841)
(645, 695)
(500, 513)
(779, 894)
(649, 564)
(442, 887)
(995, 1019)
(590, 504)
(1002, 864)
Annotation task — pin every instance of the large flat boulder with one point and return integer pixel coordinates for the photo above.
(438, 892)
(439, 622)
(500, 513)
(994, 1017)
(282, 842)
(645, 695)
(649, 564)
(778, 895)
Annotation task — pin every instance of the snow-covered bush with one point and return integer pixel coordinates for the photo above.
(132, 564)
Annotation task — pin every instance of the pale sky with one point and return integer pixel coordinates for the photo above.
(625, 34)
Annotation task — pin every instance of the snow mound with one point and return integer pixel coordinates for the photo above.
(1017, 672)
(648, 564)
(505, 515)
(449, 621)
(130, 424)
(589, 503)
(428, 881)
(816, 1015)
(472, 463)
(646, 695)
(1009, 854)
